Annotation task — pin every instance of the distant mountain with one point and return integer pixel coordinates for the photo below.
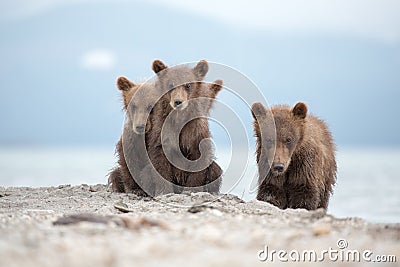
(48, 98)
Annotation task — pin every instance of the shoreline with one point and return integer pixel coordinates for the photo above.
(39, 227)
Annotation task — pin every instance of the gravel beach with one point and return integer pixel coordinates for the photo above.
(87, 225)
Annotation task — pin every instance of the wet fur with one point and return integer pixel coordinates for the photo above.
(120, 178)
(192, 133)
(310, 175)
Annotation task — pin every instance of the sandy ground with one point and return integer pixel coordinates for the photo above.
(90, 226)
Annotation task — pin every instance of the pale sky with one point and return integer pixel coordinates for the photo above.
(372, 19)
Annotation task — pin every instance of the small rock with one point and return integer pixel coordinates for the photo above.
(321, 229)
(196, 209)
(121, 206)
(63, 186)
(142, 222)
(90, 218)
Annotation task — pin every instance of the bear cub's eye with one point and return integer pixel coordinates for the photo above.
(289, 140)
(188, 86)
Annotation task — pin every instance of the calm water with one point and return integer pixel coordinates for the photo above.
(368, 183)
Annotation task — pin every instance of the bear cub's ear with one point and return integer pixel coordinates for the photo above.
(300, 110)
(158, 66)
(216, 86)
(258, 110)
(201, 69)
(124, 84)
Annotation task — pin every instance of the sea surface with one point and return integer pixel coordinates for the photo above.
(368, 182)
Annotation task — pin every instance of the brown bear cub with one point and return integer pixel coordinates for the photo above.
(138, 102)
(295, 156)
(181, 150)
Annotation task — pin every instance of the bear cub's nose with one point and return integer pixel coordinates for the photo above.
(140, 128)
(278, 167)
(177, 102)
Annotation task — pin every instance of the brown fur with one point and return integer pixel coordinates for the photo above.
(184, 84)
(303, 167)
(138, 101)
